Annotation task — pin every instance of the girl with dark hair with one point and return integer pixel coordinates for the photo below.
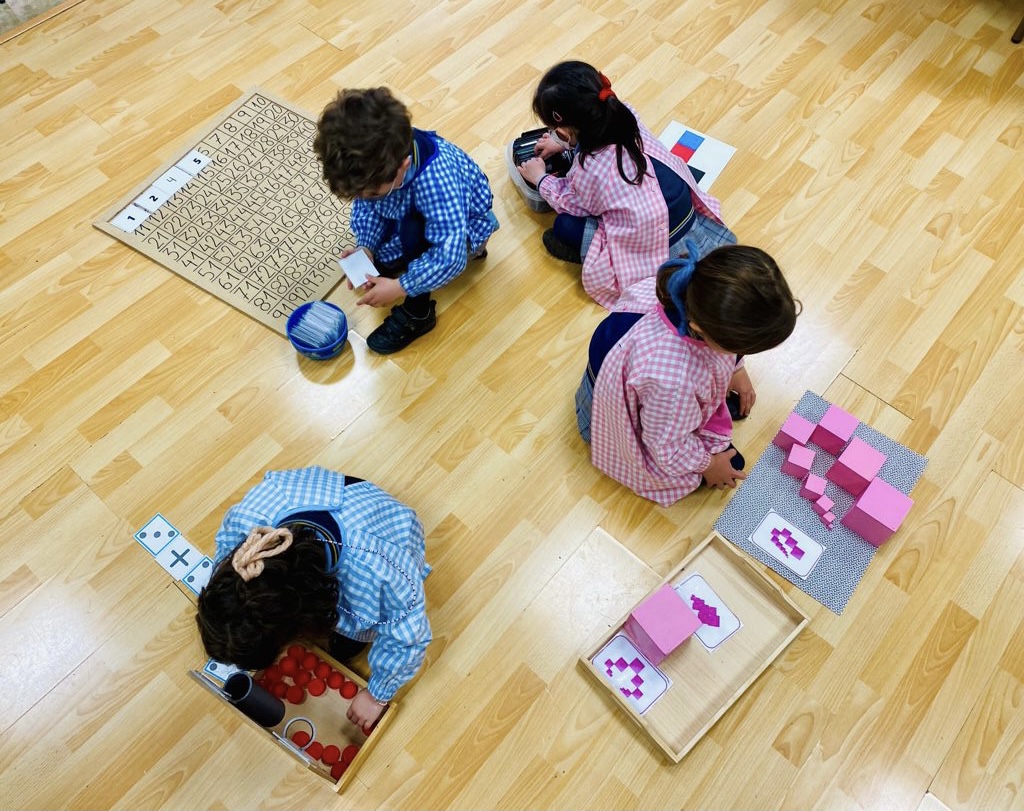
(313, 553)
(626, 203)
(652, 401)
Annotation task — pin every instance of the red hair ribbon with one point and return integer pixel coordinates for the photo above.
(606, 88)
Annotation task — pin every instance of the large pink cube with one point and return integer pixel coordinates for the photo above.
(660, 624)
(813, 487)
(878, 512)
(857, 465)
(798, 461)
(834, 430)
(795, 430)
(823, 505)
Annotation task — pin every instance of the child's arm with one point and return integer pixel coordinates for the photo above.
(367, 226)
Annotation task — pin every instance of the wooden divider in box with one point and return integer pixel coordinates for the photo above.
(327, 712)
(705, 683)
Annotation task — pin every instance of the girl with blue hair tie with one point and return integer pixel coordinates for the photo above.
(652, 402)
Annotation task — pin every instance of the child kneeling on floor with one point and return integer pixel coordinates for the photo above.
(652, 402)
(421, 206)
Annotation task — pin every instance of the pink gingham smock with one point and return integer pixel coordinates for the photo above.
(654, 397)
(631, 241)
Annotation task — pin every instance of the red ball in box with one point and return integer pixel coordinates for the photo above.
(315, 750)
(335, 680)
(349, 689)
(317, 687)
(300, 738)
(296, 651)
(272, 674)
(322, 670)
(348, 754)
(310, 660)
(295, 694)
(338, 769)
(289, 666)
(279, 689)
(331, 755)
(302, 678)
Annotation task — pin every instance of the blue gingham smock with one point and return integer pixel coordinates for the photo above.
(380, 569)
(454, 197)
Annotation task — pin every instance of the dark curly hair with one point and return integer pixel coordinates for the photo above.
(738, 297)
(361, 139)
(568, 96)
(248, 623)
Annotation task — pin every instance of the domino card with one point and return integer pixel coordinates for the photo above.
(178, 557)
(631, 673)
(156, 534)
(718, 622)
(219, 671)
(788, 545)
(358, 267)
(197, 578)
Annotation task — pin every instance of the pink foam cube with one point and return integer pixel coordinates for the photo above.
(828, 519)
(834, 430)
(795, 430)
(660, 624)
(798, 461)
(813, 487)
(857, 465)
(823, 505)
(878, 512)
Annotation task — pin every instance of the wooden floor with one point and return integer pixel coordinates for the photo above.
(880, 159)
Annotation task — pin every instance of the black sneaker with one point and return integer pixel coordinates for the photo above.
(559, 249)
(400, 329)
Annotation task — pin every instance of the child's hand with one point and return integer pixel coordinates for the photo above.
(380, 291)
(533, 170)
(364, 711)
(547, 146)
(720, 472)
(741, 384)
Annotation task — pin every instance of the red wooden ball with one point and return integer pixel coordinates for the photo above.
(322, 670)
(295, 694)
(300, 738)
(317, 687)
(315, 750)
(348, 754)
(279, 689)
(338, 769)
(349, 689)
(296, 651)
(302, 678)
(272, 674)
(331, 755)
(289, 666)
(310, 660)
(335, 680)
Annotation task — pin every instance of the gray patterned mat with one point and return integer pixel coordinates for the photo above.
(846, 554)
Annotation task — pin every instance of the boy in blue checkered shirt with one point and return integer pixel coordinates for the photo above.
(421, 206)
(314, 553)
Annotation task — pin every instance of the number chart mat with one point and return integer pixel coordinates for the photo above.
(243, 212)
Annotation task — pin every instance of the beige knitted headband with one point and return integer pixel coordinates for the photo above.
(262, 543)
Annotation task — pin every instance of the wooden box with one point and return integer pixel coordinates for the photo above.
(327, 712)
(705, 682)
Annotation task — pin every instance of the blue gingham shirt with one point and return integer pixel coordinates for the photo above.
(380, 569)
(454, 197)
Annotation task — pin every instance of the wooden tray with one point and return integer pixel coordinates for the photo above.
(705, 683)
(327, 712)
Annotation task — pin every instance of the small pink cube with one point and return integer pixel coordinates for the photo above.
(834, 430)
(828, 519)
(857, 465)
(660, 624)
(823, 505)
(813, 487)
(798, 461)
(878, 512)
(795, 430)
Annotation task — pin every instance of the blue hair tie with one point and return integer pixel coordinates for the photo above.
(680, 280)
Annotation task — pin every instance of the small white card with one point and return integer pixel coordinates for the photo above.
(172, 180)
(358, 267)
(151, 199)
(178, 558)
(788, 545)
(199, 576)
(219, 670)
(718, 622)
(156, 534)
(193, 162)
(130, 218)
(631, 673)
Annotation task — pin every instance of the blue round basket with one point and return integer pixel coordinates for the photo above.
(334, 343)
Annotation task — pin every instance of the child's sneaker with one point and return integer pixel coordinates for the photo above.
(559, 249)
(400, 329)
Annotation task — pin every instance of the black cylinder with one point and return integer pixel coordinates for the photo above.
(262, 707)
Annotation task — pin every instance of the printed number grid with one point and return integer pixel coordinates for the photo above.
(257, 227)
